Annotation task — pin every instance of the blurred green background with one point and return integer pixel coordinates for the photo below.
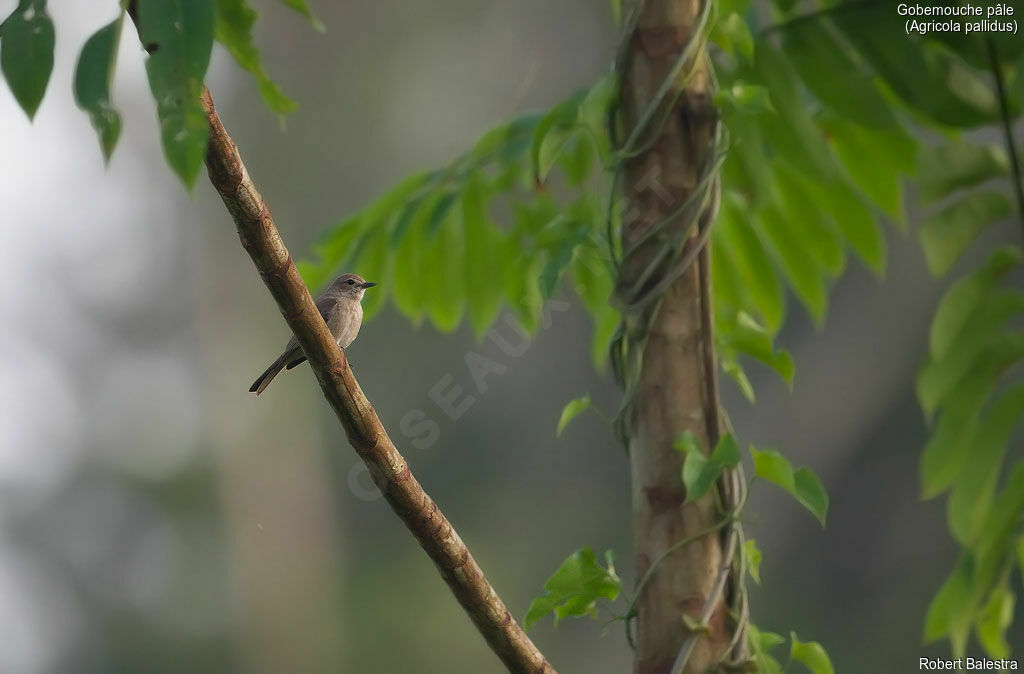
(155, 517)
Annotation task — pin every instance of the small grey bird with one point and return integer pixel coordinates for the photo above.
(341, 307)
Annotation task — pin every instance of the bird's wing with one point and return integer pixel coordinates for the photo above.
(327, 305)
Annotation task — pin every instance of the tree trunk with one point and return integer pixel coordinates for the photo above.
(673, 384)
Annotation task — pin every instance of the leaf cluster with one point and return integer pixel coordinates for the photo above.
(178, 35)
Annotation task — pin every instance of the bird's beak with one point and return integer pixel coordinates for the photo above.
(368, 284)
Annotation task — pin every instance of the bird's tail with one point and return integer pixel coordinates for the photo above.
(261, 383)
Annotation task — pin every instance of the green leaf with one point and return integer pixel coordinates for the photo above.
(26, 53)
(813, 228)
(833, 76)
(767, 641)
(617, 12)
(179, 35)
(940, 377)
(374, 262)
(738, 375)
(951, 443)
(752, 263)
(954, 606)
(733, 35)
(593, 282)
(93, 77)
(483, 256)
(578, 159)
(522, 269)
(595, 104)
(606, 322)
(553, 132)
(747, 337)
(333, 246)
(446, 296)
(792, 131)
(929, 79)
(811, 654)
(993, 621)
(802, 484)
(754, 559)
(950, 610)
(761, 643)
(744, 99)
(575, 587)
(560, 237)
(234, 24)
(964, 297)
(1000, 529)
(975, 486)
(800, 267)
(868, 157)
(571, 410)
(958, 164)
(811, 493)
(302, 8)
(748, 164)
(860, 229)
(392, 203)
(947, 234)
(701, 472)
(440, 210)
(408, 289)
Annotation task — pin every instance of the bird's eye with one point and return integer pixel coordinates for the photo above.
(350, 282)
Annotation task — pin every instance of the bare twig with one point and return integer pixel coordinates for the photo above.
(391, 474)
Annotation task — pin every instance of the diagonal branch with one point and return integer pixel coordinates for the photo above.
(367, 436)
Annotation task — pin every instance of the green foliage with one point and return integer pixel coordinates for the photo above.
(754, 559)
(958, 164)
(509, 220)
(972, 345)
(830, 160)
(948, 233)
(233, 28)
(993, 621)
(178, 34)
(919, 71)
(964, 383)
(740, 335)
(179, 37)
(302, 7)
(700, 472)
(26, 53)
(811, 654)
(93, 77)
(801, 483)
(981, 574)
(761, 644)
(743, 99)
(572, 409)
(573, 590)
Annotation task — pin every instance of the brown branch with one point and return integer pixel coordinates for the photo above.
(367, 436)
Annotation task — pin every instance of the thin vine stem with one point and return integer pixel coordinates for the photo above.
(1007, 123)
